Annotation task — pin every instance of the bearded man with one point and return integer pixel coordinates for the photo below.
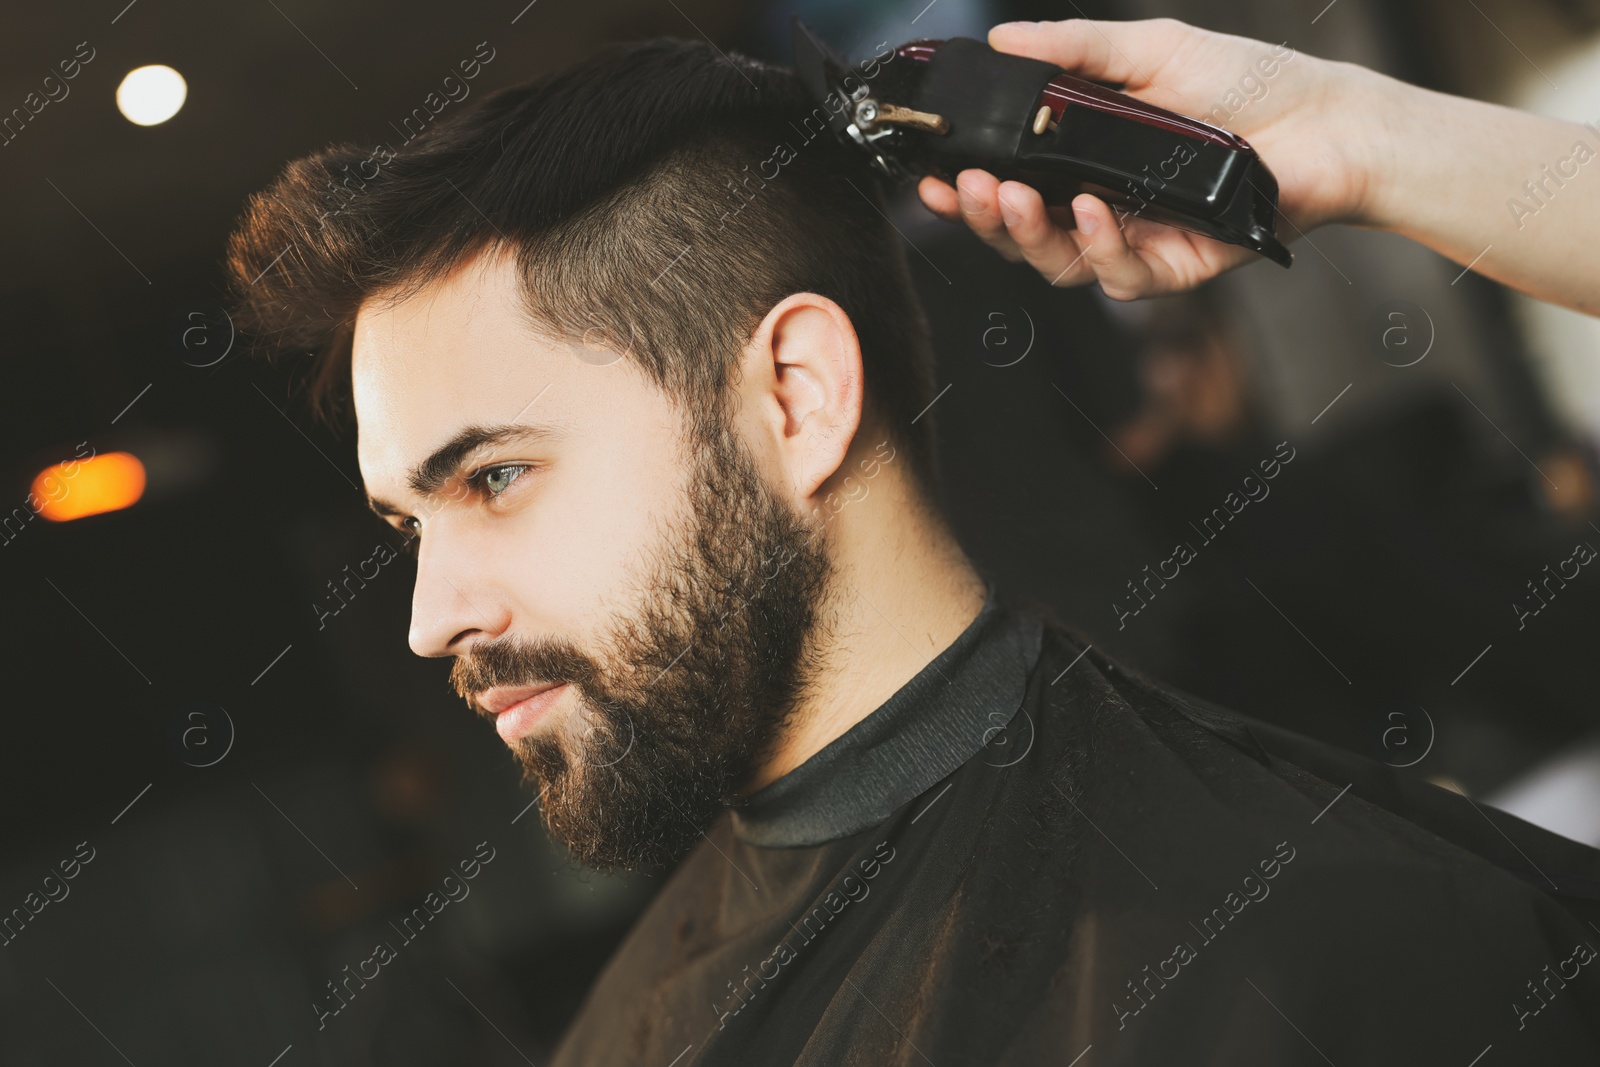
(638, 372)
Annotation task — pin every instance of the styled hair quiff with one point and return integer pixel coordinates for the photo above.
(660, 198)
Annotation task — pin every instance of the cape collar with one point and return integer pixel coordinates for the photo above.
(931, 725)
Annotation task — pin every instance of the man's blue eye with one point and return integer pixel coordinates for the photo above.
(498, 479)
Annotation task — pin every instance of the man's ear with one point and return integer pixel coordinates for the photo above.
(803, 387)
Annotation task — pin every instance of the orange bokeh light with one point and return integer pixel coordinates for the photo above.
(90, 486)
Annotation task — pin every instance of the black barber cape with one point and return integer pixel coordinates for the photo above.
(1033, 855)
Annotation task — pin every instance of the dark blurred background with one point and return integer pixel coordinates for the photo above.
(266, 786)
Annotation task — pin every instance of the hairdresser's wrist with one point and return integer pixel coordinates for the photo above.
(1368, 122)
(1392, 133)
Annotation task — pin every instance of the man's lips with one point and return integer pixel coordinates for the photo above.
(517, 710)
(501, 697)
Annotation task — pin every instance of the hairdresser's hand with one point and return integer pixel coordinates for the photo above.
(1294, 109)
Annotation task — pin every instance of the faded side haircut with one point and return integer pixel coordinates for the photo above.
(660, 199)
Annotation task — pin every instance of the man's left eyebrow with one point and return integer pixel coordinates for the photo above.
(441, 465)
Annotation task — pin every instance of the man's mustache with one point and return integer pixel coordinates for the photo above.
(512, 662)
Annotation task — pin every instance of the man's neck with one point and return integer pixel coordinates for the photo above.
(902, 591)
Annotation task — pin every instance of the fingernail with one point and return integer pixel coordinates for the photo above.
(1086, 222)
(1008, 213)
(1024, 26)
(969, 201)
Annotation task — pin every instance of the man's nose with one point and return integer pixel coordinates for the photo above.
(454, 600)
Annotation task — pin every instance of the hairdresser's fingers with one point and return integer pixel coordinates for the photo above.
(1122, 274)
(978, 195)
(1128, 53)
(1129, 257)
(939, 197)
(1048, 248)
(1134, 257)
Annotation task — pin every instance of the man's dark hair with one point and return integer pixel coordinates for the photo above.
(649, 205)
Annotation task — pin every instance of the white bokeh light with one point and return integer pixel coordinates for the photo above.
(151, 95)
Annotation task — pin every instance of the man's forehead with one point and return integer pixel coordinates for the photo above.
(458, 352)
(411, 334)
(459, 356)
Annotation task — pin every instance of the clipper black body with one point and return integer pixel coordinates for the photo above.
(941, 106)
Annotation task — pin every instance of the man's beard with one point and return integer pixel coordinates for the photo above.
(696, 687)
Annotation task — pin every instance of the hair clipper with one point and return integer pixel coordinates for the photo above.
(941, 106)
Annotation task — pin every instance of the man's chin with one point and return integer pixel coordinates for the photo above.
(617, 848)
(605, 816)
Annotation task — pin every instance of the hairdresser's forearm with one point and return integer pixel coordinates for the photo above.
(1514, 194)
